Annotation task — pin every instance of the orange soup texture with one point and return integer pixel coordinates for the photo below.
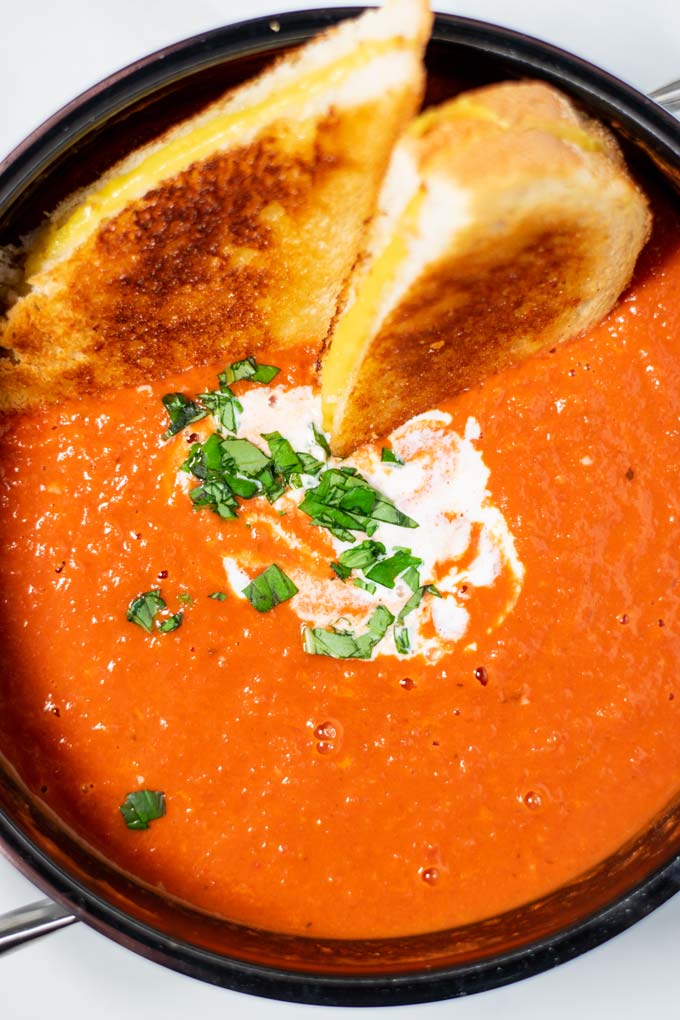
(344, 797)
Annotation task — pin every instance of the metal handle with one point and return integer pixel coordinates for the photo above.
(669, 97)
(26, 923)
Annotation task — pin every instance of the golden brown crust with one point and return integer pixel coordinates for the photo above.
(554, 227)
(466, 318)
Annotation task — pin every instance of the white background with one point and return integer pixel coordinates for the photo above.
(51, 51)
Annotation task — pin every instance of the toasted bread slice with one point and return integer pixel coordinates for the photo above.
(233, 230)
(507, 223)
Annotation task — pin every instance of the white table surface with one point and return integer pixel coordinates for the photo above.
(51, 51)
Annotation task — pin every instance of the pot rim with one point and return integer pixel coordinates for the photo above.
(637, 117)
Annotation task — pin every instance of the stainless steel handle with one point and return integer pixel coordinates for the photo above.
(669, 97)
(26, 923)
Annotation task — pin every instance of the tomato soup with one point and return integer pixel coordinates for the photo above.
(509, 731)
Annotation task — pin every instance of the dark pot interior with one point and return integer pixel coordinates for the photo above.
(73, 148)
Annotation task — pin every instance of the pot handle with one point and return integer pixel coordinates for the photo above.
(29, 922)
(36, 919)
(668, 96)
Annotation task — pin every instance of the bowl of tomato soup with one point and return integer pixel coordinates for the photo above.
(479, 784)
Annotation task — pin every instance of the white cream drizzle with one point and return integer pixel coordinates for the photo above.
(463, 539)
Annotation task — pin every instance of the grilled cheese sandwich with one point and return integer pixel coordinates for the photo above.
(526, 230)
(234, 230)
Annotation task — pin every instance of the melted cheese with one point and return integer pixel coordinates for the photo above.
(471, 109)
(354, 326)
(218, 133)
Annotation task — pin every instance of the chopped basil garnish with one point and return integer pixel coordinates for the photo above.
(412, 604)
(219, 596)
(250, 370)
(272, 486)
(338, 644)
(285, 459)
(387, 571)
(223, 405)
(416, 599)
(141, 807)
(182, 412)
(361, 556)
(143, 609)
(244, 458)
(320, 440)
(216, 495)
(369, 557)
(411, 577)
(185, 598)
(365, 585)
(243, 487)
(310, 465)
(287, 463)
(402, 640)
(344, 502)
(269, 589)
(389, 457)
(172, 623)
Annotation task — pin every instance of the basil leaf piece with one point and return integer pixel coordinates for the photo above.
(223, 405)
(412, 604)
(387, 571)
(342, 572)
(365, 585)
(182, 412)
(185, 598)
(204, 458)
(195, 462)
(343, 644)
(388, 456)
(219, 596)
(363, 555)
(269, 589)
(216, 495)
(411, 577)
(335, 645)
(172, 623)
(143, 609)
(249, 369)
(242, 457)
(416, 599)
(320, 440)
(243, 487)
(343, 501)
(272, 485)
(286, 461)
(141, 807)
(402, 641)
(310, 465)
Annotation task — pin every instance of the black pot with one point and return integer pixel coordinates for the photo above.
(72, 148)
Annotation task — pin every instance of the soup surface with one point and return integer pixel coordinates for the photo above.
(525, 727)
